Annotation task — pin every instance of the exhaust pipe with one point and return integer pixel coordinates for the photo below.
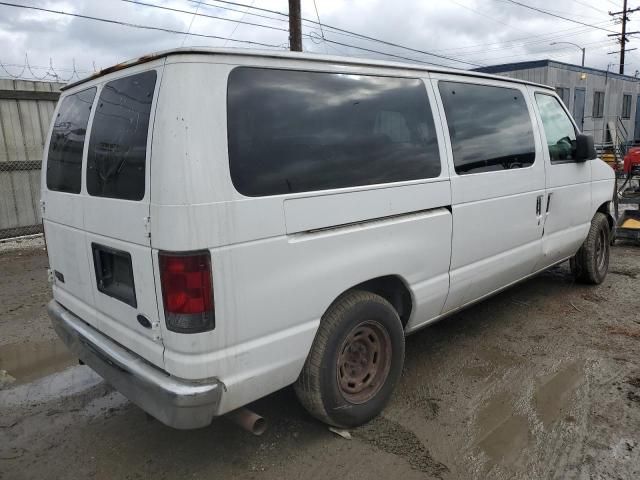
(250, 421)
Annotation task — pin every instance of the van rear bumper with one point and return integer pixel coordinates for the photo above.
(177, 403)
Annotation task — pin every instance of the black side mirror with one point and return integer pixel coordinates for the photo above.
(585, 150)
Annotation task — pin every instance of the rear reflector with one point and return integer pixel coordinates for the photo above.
(187, 291)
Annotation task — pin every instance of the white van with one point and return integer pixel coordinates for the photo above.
(222, 224)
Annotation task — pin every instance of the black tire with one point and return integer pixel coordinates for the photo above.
(591, 263)
(324, 388)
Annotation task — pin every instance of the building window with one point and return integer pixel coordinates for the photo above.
(564, 93)
(626, 106)
(598, 104)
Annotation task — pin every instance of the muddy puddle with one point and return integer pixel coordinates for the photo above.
(26, 362)
(510, 423)
(555, 393)
(503, 433)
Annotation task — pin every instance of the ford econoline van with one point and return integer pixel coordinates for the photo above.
(221, 224)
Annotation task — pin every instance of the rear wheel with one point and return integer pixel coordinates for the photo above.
(591, 263)
(355, 361)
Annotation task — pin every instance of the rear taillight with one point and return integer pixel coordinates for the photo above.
(187, 291)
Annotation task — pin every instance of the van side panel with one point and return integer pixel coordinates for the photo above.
(271, 294)
(602, 179)
(278, 261)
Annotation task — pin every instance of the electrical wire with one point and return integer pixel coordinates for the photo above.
(193, 17)
(318, 15)
(133, 25)
(196, 13)
(236, 26)
(359, 35)
(343, 32)
(546, 12)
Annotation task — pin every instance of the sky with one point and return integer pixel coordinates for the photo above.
(460, 33)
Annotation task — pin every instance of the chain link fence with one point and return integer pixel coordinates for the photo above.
(20, 199)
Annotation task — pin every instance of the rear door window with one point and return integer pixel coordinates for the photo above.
(490, 127)
(118, 144)
(64, 161)
(297, 131)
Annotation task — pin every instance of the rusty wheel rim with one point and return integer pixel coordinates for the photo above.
(364, 361)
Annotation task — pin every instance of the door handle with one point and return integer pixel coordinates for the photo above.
(539, 205)
(548, 202)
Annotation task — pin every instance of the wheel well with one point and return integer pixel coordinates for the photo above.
(606, 209)
(393, 290)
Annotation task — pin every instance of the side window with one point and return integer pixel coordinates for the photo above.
(118, 143)
(560, 132)
(626, 106)
(598, 104)
(296, 131)
(64, 161)
(490, 127)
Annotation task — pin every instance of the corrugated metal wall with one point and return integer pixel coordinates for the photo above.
(26, 110)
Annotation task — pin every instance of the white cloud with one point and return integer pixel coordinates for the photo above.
(477, 31)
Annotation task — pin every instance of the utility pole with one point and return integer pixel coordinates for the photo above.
(295, 26)
(623, 36)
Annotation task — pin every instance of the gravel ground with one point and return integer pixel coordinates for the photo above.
(541, 381)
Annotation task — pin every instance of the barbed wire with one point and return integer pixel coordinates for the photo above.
(51, 73)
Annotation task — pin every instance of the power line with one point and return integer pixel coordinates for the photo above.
(514, 45)
(339, 31)
(318, 15)
(245, 12)
(602, 43)
(546, 12)
(184, 39)
(366, 37)
(196, 13)
(589, 6)
(134, 25)
(235, 27)
(147, 27)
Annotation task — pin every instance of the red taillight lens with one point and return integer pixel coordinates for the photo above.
(187, 291)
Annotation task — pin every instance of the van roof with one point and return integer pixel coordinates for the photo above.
(312, 57)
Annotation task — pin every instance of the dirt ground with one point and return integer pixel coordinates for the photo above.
(541, 381)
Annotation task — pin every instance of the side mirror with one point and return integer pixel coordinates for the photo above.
(585, 150)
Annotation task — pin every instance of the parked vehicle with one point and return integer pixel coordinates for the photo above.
(222, 224)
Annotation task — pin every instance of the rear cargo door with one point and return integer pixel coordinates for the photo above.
(116, 212)
(62, 203)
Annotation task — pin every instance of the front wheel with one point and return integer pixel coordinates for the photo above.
(355, 361)
(591, 263)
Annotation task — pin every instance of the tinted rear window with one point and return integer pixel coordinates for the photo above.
(64, 161)
(490, 127)
(294, 131)
(118, 143)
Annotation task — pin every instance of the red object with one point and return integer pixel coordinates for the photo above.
(632, 161)
(186, 282)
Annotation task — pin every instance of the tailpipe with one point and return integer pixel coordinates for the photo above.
(250, 421)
